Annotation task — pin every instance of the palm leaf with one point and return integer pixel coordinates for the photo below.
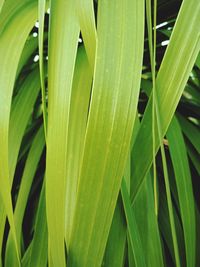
(13, 19)
(171, 80)
(109, 128)
(63, 44)
(184, 186)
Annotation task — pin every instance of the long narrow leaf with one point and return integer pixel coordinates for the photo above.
(14, 20)
(184, 186)
(63, 42)
(111, 117)
(80, 97)
(27, 178)
(172, 77)
(88, 29)
(135, 239)
(39, 245)
(41, 15)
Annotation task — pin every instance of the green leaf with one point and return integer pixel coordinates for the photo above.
(198, 61)
(88, 29)
(63, 42)
(1, 4)
(147, 224)
(21, 109)
(39, 245)
(27, 178)
(29, 48)
(41, 14)
(115, 247)
(135, 239)
(117, 239)
(80, 98)
(26, 257)
(172, 77)
(14, 19)
(194, 156)
(165, 228)
(190, 131)
(156, 119)
(108, 134)
(184, 186)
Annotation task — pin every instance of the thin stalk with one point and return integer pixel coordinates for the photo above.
(167, 185)
(153, 106)
(152, 48)
(156, 118)
(41, 15)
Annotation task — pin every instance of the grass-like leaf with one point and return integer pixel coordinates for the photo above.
(184, 186)
(109, 128)
(12, 21)
(171, 80)
(63, 43)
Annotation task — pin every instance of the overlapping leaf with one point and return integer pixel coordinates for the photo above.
(111, 116)
(16, 15)
(171, 80)
(63, 43)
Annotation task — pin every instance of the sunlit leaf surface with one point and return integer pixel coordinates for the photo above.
(99, 133)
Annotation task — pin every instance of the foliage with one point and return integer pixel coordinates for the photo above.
(99, 133)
